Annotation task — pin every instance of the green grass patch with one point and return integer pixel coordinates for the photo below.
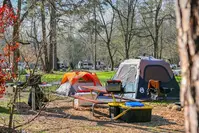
(178, 78)
(5, 112)
(104, 76)
(51, 77)
(57, 76)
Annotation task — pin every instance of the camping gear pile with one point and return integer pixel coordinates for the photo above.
(127, 111)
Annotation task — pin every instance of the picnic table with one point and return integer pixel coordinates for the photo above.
(103, 97)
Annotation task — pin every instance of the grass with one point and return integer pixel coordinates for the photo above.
(178, 78)
(5, 112)
(104, 76)
(57, 76)
(52, 77)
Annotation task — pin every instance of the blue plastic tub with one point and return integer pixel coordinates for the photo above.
(134, 104)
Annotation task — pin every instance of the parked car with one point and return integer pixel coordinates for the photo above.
(100, 65)
(62, 65)
(85, 65)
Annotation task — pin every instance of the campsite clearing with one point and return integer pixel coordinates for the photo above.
(60, 116)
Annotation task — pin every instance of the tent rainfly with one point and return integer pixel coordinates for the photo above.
(72, 81)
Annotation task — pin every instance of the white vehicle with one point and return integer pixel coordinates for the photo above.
(85, 65)
(100, 65)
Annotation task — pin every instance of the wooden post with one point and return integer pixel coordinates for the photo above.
(33, 98)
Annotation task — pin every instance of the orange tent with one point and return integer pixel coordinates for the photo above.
(75, 76)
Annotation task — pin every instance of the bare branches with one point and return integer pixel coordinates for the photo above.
(28, 10)
(148, 29)
(24, 42)
(127, 20)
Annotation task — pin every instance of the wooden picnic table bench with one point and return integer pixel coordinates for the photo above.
(100, 99)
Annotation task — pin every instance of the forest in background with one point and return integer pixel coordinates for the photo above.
(105, 30)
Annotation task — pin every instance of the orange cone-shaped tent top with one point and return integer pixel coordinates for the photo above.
(75, 76)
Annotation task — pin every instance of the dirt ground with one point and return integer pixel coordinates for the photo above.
(60, 117)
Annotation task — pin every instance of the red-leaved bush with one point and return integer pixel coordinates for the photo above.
(7, 18)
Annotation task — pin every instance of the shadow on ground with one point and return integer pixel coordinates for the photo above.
(24, 109)
(4, 110)
(6, 130)
(61, 112)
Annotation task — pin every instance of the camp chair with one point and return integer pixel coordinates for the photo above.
(155, 89)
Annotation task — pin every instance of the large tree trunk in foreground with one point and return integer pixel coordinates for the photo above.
(188, 43)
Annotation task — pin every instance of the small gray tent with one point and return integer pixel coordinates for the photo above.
(136, 73)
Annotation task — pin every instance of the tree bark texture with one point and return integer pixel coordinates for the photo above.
(15, 57)
(43, 18)
(53, 42)
(16, 37)
(187, 13)
(157, 27)
(95, 39)
(108, 34)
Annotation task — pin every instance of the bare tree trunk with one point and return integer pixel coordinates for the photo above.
(53, 39)
(16, 37)
(161, 44)
(157, 27)
(95, 39)
(110, 54)
(16, 55)
(52, 48)
(126, 51)
(43, 18)
(108, 34)
(188, 45)
(54, 30)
